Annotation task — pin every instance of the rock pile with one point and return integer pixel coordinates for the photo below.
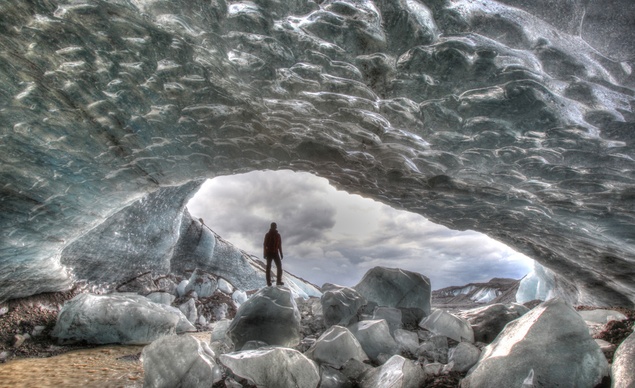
(372, 348)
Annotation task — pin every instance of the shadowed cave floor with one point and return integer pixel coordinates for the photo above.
(119, 366)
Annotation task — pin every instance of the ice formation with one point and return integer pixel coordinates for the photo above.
(551, 344)
(118, 319)
(508, 117)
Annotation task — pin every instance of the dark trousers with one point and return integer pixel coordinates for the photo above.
(275, 257)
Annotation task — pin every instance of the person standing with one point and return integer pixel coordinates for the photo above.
(272, 251)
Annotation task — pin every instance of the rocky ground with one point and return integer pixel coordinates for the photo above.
(25, 327)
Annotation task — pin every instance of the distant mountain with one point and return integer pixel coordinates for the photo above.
(497, 290)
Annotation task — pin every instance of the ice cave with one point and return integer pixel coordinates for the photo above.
(512, 118)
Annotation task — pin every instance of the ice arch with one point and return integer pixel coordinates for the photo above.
(477, 115)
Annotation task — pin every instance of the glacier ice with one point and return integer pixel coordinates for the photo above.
(273, 367)
(539, 284)
(512, 118)
(375, 338)
(124, 319)
(397, 372)
(441, 322)
(204, 284)
(395, 287)
(488, 321)
(340, 304)
(179, 361)
(408, 341)
(335, 347)
(392, 316)
(270, 315)
(623, 367)
(551, 340)
(463, 356)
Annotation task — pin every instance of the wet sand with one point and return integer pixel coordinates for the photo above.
(111, 366)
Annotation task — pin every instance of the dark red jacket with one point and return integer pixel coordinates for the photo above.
(272, 243)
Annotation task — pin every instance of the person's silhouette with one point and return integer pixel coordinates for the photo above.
(272, 251)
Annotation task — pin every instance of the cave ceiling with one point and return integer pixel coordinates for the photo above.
(511, 118)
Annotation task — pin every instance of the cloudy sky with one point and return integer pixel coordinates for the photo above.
(332, 236)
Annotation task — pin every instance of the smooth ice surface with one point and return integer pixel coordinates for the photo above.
(623, 367)
(335, 347)
(513, 118)
(397, 372)
(179, 361)
(443, 323)
(273, 367)
(394, 287)
(375, 338)
(340, 304)
(270, 315)
(125, 319)
(551, 340)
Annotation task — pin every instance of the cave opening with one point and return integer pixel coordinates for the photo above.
(331, 236)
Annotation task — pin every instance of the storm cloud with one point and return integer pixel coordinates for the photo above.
(335, 237)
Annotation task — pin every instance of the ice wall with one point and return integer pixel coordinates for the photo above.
(511, 118)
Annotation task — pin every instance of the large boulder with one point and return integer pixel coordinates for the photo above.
(273, 367)
(464, 356)
(375, 338)
(443, 323)
(335, 347)
(270, 315)
(394, 287)
(397, 372)
(548, 347)
(179, 361)
(487, 322)
(117, 318)
(623, 369)
(340, 304)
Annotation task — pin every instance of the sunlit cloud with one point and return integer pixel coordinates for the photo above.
(330, 236)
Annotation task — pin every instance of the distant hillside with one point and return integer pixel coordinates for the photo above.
(497, 290)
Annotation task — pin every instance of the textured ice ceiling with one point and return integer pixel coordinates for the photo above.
(513, 118)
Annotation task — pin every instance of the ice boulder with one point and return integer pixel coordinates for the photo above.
(623, 369)
(270, 315)
(179, 361)
(335, 347)
(161, 298)
(408, 341)
(394, 287)
(340, 304)
(443, 323)
(392, 316)
(117, 318)
(225, 286)
(464, 356)
(375, 338)
(550, 346)
(273, 367)
(189, 310)
(397, 372)
(487, 322)
(203, 283)
(435, 349)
